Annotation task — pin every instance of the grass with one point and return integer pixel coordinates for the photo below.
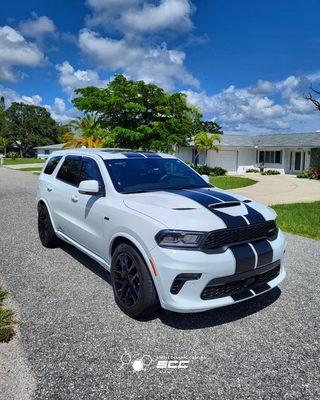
(231, 182)
(36, 173)
(300, 218)
(31, 169)
(6, 320)
(9, 161)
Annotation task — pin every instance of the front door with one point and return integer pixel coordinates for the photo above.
(297, 161)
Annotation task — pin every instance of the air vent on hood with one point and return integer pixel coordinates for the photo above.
(225, 204)
(184, 208)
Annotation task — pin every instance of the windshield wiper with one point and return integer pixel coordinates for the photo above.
(138, 191)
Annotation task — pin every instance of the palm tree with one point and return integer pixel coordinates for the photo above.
(85, 131)
(204, 142)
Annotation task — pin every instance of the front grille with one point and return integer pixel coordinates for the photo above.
(229, 236)
(233, 287)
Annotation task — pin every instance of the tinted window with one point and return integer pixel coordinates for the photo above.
(52, 163)
(70, 170)
(90, 171)
(143, 174)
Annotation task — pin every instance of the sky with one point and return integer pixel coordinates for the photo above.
(244, 63)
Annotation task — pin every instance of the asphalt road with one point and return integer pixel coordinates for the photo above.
(74, 335)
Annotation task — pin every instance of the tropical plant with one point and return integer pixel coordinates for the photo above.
(204, 142)
(13, 155)
(85, 131)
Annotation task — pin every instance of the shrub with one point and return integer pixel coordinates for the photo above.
(13, 155)
(205, 170)
(249, 170)
(304, 175)
(271, 172)
(218, 171)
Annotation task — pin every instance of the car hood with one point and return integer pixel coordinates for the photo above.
(199, 209)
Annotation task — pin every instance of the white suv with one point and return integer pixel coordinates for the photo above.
(165, 234)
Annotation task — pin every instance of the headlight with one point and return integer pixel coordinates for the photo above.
(179, 239)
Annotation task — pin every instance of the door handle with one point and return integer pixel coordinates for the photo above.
(49, 188)
(74, 198)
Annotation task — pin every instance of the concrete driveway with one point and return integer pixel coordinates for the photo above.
(73, 336)
(281, 189)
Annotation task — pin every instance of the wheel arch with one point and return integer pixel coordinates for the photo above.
(45, 203)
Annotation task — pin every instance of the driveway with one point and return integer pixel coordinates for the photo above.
(73, 335)
(281, 189)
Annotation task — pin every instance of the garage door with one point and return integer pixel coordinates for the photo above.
(226, 159)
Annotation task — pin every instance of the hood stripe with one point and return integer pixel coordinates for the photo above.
(246, 257)
(203, 199)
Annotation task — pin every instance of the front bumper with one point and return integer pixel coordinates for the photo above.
(170, 263)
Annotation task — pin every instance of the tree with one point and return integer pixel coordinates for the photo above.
(28, 126)
(204, 142)
(310, 97)
(85, 131)
(141, 116)
(4, 143)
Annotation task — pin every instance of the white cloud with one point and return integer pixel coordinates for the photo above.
(37, 27)
(154, 64)
(60, 112)
(16, 51)
(169, 14)
(265, 107)
(71, 79)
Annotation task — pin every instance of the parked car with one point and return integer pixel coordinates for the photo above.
(167, 236)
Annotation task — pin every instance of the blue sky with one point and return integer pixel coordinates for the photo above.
(244, 63)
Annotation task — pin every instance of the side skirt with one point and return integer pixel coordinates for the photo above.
(89, 253)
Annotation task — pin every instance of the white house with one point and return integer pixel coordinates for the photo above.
(43, 152)
(288, 153)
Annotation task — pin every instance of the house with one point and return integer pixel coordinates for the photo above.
(43, 152)
(288, 153)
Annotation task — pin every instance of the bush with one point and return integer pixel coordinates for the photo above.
(13, 155)
(205, 170)
(218, 171)
(271, 172)
(252, 170)
(304, 175)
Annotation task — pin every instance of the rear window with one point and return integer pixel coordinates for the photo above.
(70, 170)
(51, 166)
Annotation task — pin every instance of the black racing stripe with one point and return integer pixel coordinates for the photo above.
(264, 251)
(245, 257)
(219, 195)
(253, 216)
(203, 199)
(151, 155)
(132, 155)
(242, 295)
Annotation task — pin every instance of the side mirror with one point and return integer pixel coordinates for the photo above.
(205, 178)
(89, 187)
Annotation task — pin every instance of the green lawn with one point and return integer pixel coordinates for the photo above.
(8, 161)
(30, 169)
(6, 320)
(300, 218)
(231, 182)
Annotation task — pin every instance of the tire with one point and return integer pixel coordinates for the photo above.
(45, 229)
(133, 288)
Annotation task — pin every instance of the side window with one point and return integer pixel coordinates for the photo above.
(52, 163)
(70, 169)
(91, 171)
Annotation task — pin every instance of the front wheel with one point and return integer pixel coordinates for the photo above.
(133, 288)
(46, 232)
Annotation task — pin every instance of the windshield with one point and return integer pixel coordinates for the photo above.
(146, 174)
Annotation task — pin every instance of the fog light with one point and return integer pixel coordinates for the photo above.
(180, 280)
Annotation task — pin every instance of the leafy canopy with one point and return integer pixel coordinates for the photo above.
(28, 126)
(140, 115)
